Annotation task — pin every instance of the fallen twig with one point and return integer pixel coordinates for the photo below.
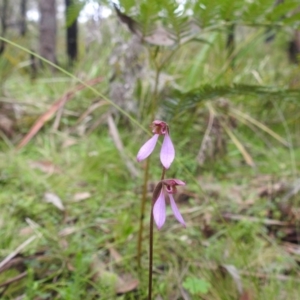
(229, 216)
(205, 140)
(17, 251)
(52, 110)
(90, 109)
(119, 145)
(14, 279)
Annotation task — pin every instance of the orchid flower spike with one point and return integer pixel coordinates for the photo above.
(167, 152)
(159, 209)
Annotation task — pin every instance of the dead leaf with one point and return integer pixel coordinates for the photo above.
(246, 295)
(69, 142)
(67, 231)
(54, 199)
(81, 196)
(70, 267)
(64, 244)
(291, 248)
(160, 37)
(6, 125)
(22, 297)
(97, 266)
(234, 273)
(26, 231)
(45, 166)
(100, 272)
(126, 286)
(121, 285)
(271, 189)
(117, 257)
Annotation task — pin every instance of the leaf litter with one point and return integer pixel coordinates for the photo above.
(54, 199)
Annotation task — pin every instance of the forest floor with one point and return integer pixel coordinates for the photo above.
(70, 197)
(69, 222)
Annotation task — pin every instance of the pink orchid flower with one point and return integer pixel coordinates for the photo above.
(167, 152)
(159, 209)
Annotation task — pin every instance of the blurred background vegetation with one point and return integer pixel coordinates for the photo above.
(81, 81)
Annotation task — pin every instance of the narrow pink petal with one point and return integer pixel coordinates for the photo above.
(147, 148)
(159, 210)
(167, 152)
(176, 212)
(178, 182)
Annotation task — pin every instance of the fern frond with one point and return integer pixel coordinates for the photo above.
(207, 12)
(213, 14)
(282, 10)
(255, 11)
(180, 101)
(293, 20)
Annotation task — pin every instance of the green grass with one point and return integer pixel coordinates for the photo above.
(74, 253)
(63, 267)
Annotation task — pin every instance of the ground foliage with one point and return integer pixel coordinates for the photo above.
(70, 197)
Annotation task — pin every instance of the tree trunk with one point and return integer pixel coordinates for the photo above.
(72, 31)
(230, 45)
(230, 40)
(3, 17)
(294, 48)
(23, 9)
(47, 29)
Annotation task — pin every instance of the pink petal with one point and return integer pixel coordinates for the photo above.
(159, 210)
(173, 181)
(167, 152)
(147, 148)
(158, 122)
(176, 212)
(178, 182)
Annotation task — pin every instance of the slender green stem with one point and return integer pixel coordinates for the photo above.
(150, 254)
(142, 215)
(156, 190)
(163, 174)
(154, 198)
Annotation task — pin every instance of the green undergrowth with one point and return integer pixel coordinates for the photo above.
(71, 257)
(83, 244)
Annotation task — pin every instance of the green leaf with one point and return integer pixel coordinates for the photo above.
(281, 10)
(196, 286)
(256, 10)
(293, 20)
(73, 12)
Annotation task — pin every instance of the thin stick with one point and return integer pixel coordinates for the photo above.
(205, 140)
(40, 122)
(58, 117)
(114, 133)
(15, 252)
(150, 254)
(14, 279)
